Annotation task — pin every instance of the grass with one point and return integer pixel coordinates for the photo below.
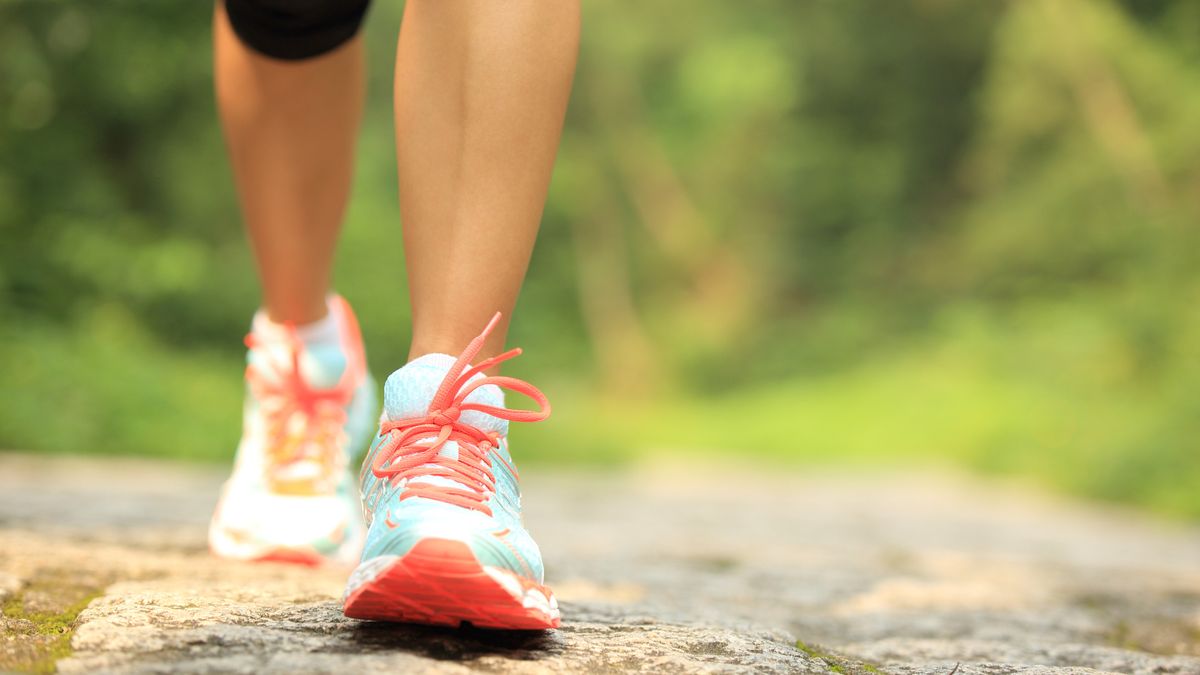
(1053, 394)
(1057, 401)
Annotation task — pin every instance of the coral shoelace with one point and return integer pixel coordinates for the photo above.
(284, 396)
(408, 453)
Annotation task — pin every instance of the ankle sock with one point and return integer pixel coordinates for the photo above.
(324, 331)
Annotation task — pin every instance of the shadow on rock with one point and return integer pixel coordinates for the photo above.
(466, 643)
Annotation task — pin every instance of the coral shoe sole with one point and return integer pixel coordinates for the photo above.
(440, 582)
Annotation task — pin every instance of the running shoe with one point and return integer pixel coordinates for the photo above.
(309, 409)
(445, 541)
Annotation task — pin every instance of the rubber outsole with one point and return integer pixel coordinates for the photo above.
(440, 582)
(292, 557)
(289, 556)
(227, 546)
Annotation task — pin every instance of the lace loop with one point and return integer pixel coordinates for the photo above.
(412, 448)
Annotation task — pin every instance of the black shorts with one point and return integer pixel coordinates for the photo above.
(295, 29)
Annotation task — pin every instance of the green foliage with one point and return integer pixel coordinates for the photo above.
(856, 231)
(43, 616)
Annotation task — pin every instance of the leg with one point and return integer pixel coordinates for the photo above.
(481, 90)
(289, 80)
(290, 126)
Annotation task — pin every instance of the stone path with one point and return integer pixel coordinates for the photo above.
(719, 571)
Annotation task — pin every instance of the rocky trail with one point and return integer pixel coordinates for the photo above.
(103, 568)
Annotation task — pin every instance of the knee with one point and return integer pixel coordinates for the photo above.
(295, 29)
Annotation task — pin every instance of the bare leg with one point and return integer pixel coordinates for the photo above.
(481, 90)
(290, 128)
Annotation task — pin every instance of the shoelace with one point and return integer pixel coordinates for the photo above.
(283, 393)
(408, 454)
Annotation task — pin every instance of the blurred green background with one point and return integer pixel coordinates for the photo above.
(878, 234)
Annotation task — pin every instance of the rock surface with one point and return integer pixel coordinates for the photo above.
(659, 570)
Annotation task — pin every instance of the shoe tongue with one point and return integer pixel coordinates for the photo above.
(409, 391)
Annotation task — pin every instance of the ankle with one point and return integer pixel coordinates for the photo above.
(325, 328)
(455, 341)
(296, 312)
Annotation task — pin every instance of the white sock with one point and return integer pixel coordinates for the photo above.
(324, 332)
